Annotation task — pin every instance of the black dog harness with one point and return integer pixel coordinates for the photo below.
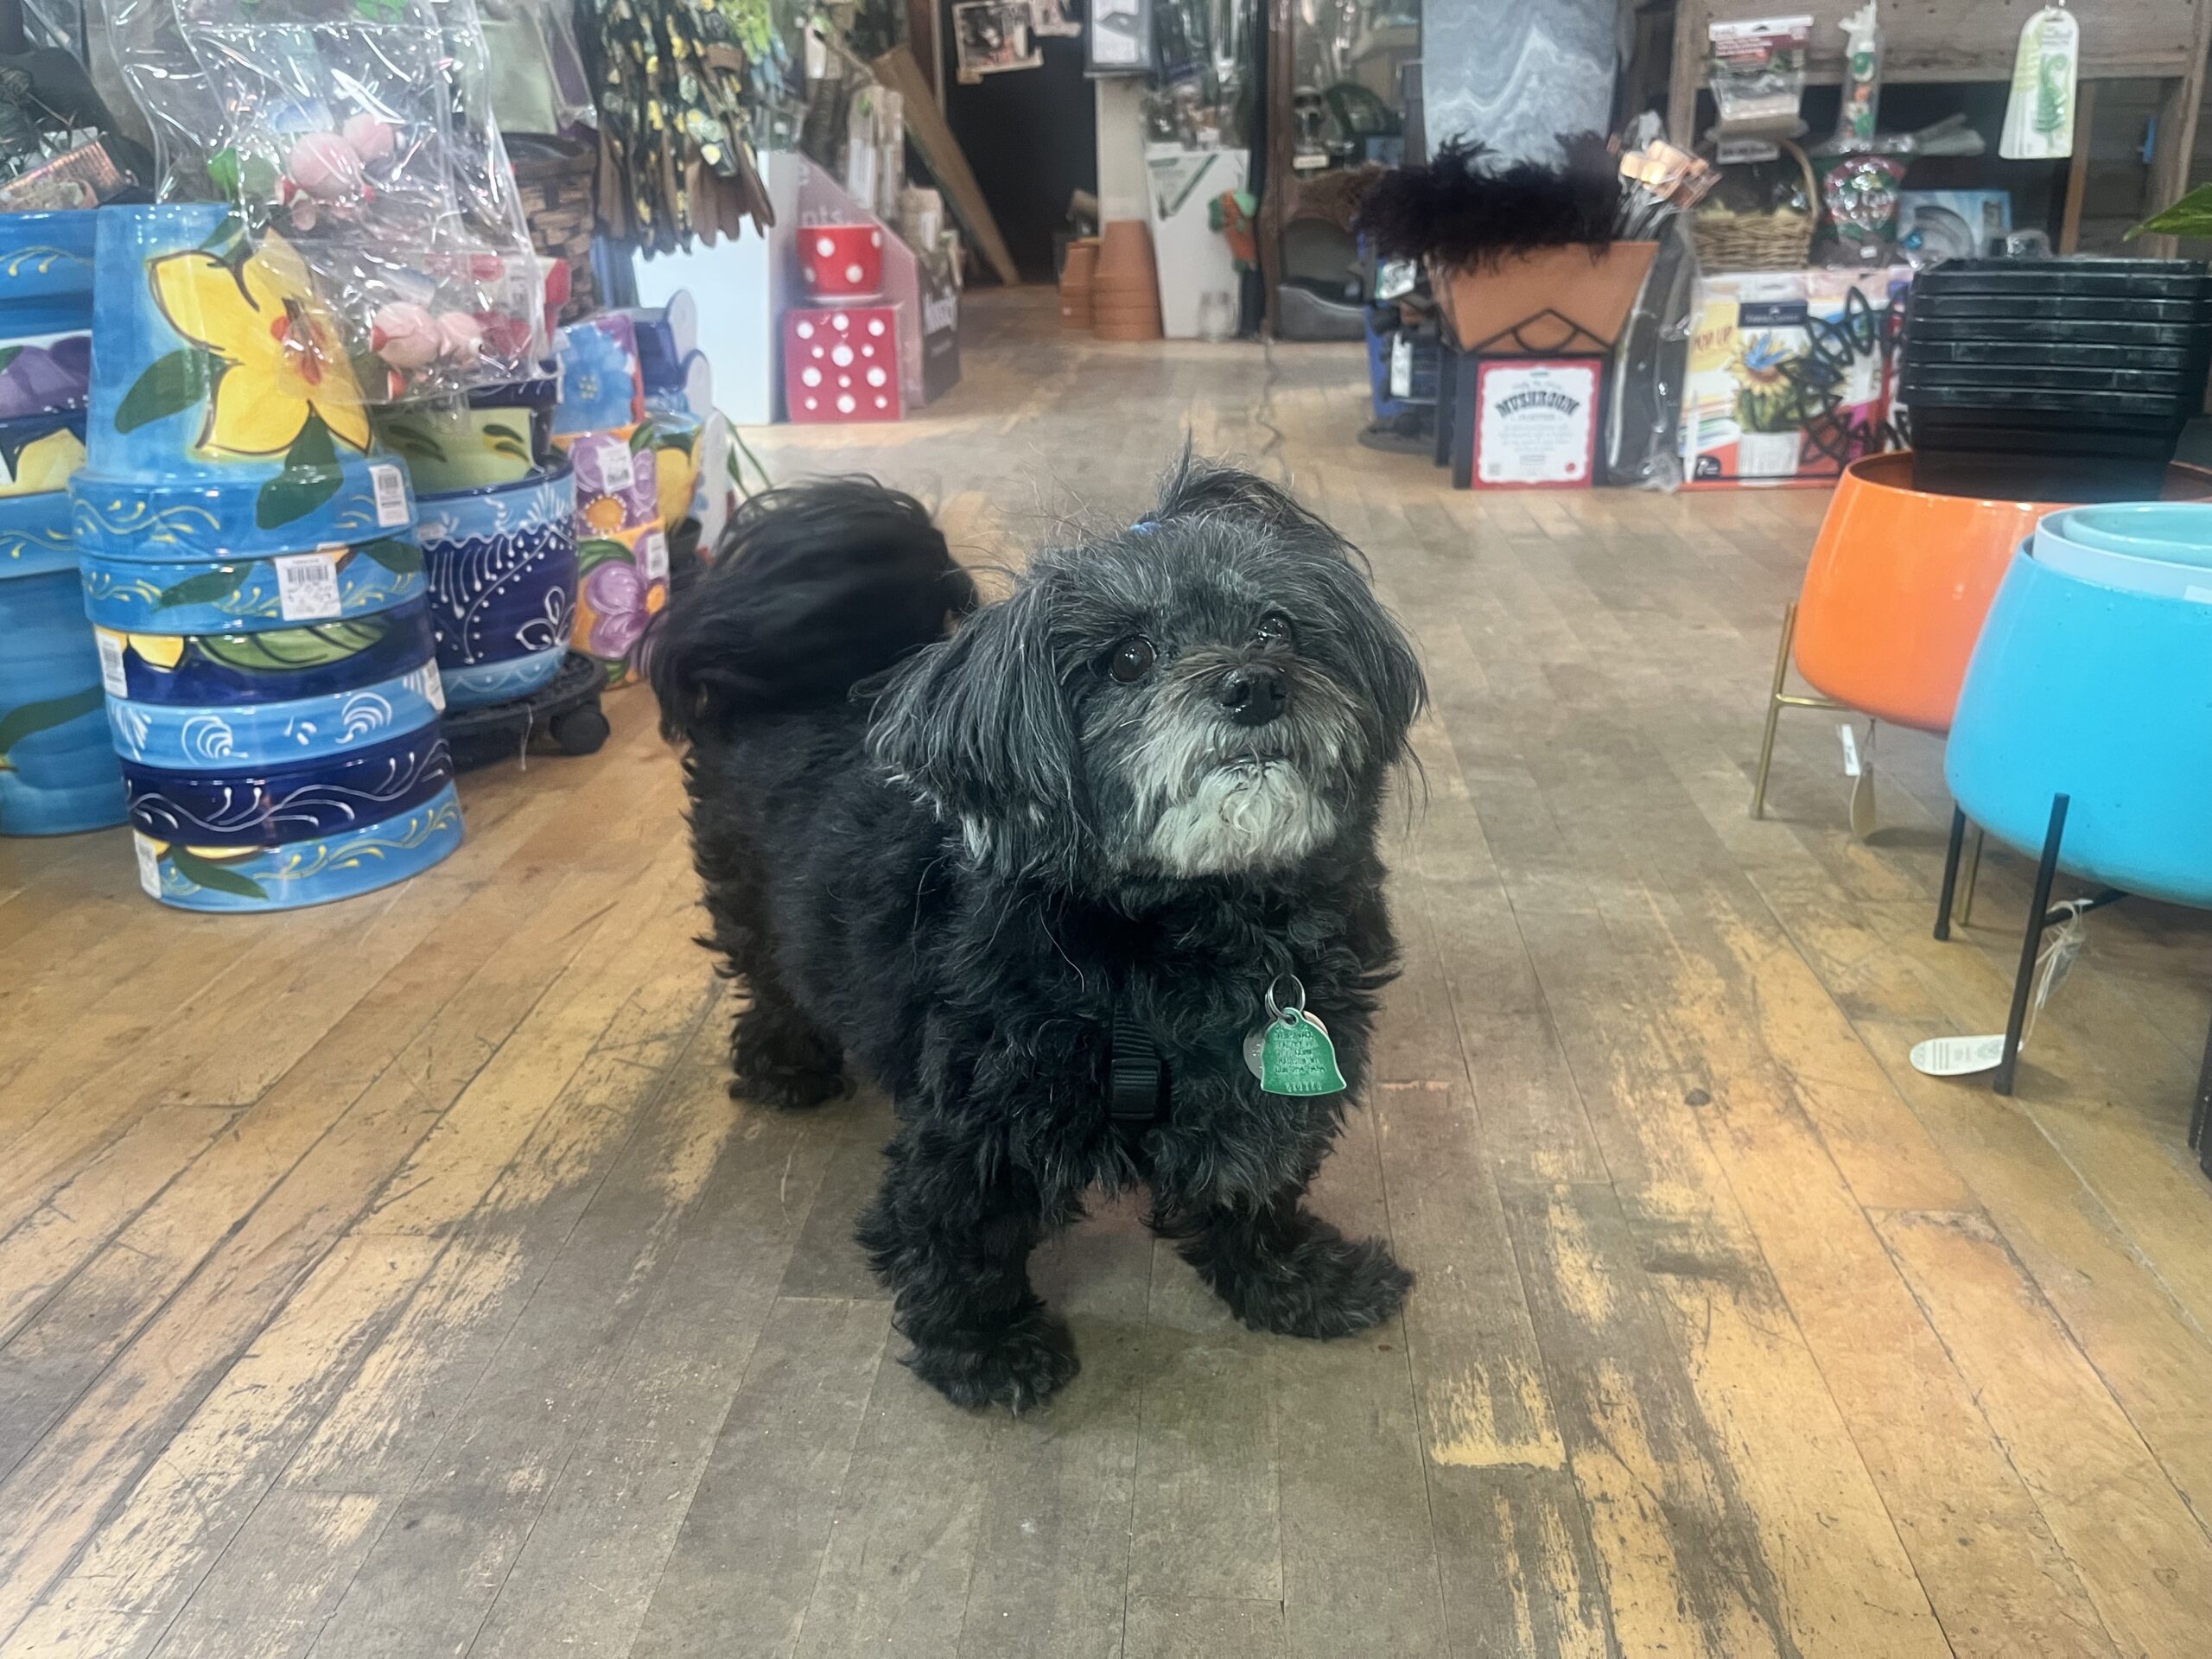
(1136, 1076)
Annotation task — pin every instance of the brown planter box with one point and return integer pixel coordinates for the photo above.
(1591, 296)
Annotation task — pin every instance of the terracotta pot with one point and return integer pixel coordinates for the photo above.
(1142, 328)
(1077, 290)
(1125, 258)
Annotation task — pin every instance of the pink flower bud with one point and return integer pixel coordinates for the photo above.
(322, 164)
(406, 336)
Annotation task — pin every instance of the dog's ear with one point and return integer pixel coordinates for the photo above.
(980, 727)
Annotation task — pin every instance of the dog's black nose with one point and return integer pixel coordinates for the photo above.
(1255, 694)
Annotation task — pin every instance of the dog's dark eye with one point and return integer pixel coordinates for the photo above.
(1132, 659)
(1275, 629)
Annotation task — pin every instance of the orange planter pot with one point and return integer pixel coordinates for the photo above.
(1900, 582)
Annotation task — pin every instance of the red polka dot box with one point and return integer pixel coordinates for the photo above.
(841, 364)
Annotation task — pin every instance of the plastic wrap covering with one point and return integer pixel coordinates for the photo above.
(1643, 425)
(362, 131)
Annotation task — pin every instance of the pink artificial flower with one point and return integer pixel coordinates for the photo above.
(461, 336)
(406, 336)
(369, 137)
(322, 165)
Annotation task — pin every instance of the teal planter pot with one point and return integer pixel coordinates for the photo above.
(2104, 696)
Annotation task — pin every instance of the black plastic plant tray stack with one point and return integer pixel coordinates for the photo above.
(2054, 379)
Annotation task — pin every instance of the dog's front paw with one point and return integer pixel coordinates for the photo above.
(1019, 1369)
(1325, 1284)
(787, 1089)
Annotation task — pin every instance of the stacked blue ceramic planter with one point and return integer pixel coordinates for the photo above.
(57, 774)
(498, 532)
(250, 568)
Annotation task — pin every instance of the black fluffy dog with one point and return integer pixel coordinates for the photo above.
(1074, 835)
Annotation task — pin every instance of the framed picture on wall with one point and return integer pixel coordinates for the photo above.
(1058, 17)
(1120, 41)
(992, 36)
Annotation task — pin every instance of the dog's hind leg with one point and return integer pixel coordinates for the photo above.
(952, 1242)
(777, 1056)
(1281, 1268)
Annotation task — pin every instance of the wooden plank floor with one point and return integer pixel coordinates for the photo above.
(398, 1279)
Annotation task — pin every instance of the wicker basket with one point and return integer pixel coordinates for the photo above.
(1781, 241)
(560, 197)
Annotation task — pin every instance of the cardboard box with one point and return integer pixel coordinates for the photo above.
(938, 284)
(1789, 374)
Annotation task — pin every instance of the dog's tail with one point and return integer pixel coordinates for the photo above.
(814, 588)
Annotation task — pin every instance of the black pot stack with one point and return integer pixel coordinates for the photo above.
(2054, 379)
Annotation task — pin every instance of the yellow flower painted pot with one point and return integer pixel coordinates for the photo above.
(225, 416)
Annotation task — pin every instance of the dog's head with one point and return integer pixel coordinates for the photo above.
(1214, 691)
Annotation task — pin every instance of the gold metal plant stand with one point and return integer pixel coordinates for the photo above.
(1778, 699)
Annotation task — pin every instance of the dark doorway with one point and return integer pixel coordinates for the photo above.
(1030, 136)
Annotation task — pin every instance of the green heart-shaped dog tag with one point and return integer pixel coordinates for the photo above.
(1292, 1055)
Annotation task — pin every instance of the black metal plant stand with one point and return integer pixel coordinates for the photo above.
(2200, 1118)
(2041, 916)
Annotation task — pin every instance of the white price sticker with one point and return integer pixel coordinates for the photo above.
(392, 494)
(434, 687)
(1850, 740)
(616, 470)
(1401, 365)
(149, 865)
(652, 556)
(111, 675)
(307, 588)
